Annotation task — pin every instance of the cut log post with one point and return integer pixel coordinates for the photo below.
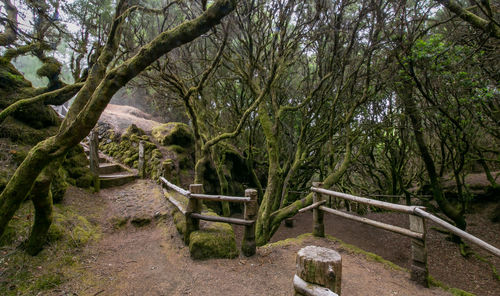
(318, 223)
(248, 245)
(194, 206)
(419, 271)
(141, 166)
(319, 266)
(94, 159)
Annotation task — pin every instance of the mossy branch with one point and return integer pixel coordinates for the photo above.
(94, 97)
(62, 94)
(245, 115)
(489, 27)
(9, 36)
(311, 95)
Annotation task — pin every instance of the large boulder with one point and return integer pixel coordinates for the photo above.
(174, 133)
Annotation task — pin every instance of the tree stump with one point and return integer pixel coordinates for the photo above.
(319, 266)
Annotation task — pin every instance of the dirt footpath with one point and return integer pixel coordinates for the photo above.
(151, 259)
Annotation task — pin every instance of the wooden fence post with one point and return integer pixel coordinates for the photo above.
(319, 272)
(94, 159)
(419, 271)
(194, 206)
(248, 245)
(318, 224)
(141, 166)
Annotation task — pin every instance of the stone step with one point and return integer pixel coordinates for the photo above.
(110, 168)
(112, 180)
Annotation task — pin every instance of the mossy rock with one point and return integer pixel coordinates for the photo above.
(21, 132)
(76, 166)
(215, 241)
(179, 221)
(133, 130)
(174, 133)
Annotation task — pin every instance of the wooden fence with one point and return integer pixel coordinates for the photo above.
(193, 212)
(417, 230)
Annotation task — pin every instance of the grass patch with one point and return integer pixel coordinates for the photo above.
(453, 291)
(22, 274)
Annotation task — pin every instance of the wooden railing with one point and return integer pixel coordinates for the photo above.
(193, 213)
(417, 230)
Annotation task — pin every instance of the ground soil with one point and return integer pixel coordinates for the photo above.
(445, 262)
(149, 258)
(120, 118)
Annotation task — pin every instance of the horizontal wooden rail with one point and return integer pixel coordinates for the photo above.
(367, 201)
(309, 289)
(385, 226)
(175, 187)
(314, 205)
(175, 202)
(220, 197)
(222, 219)
(458, 232)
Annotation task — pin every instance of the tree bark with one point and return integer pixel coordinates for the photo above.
(94, 97)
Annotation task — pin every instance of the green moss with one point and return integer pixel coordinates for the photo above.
(76, 166)
(8, 236)
(215, 241)
(119, 222)
(176, 148)
(50, 68)
(23, 133)
(78, 229)
(133, 130)
(174, 133)
(59, 261)
(49, 281)
(179, 221)
(454, 291)
(59, 185)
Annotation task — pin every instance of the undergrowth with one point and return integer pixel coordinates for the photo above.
(22, 274)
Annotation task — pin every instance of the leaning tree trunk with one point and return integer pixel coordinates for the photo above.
(94, 97)
(41, 196)
(437, 191)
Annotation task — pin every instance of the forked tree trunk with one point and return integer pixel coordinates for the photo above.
(94, 97)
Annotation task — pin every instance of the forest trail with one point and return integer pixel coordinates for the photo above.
(141, 253)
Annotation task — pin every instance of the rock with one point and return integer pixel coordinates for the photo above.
(174, 133)
(215, 241)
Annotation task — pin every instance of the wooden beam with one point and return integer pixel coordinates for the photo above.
(308, 289)
(459, 232)
(367, 201)
(310, 207)
(220, 197)
(222, 219)
(381, 225)
(174, 187)
(174, 201)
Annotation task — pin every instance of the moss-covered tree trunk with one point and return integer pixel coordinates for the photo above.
(41, 196)
(411, 110)
(274, 177)
(94, 96)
